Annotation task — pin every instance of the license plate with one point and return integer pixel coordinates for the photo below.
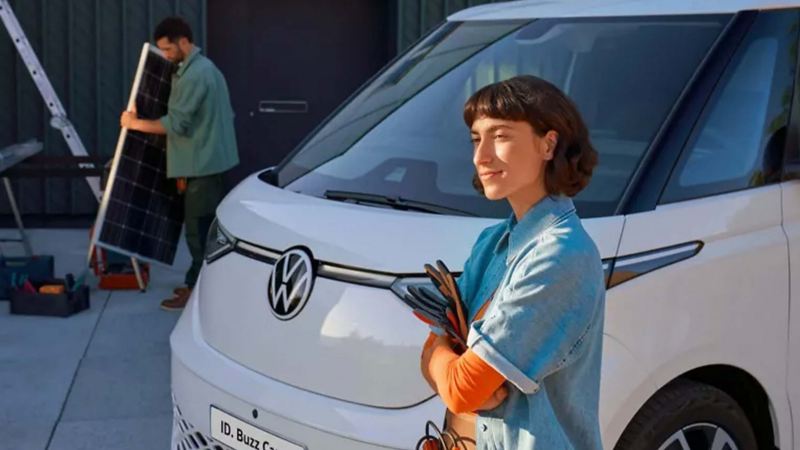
(241, 435)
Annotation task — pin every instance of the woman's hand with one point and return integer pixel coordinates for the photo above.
(495, 400)
(434, 341)
(425, 360)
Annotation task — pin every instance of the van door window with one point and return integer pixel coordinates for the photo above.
(739, 139)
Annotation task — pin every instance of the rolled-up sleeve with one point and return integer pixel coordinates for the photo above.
(538, 324)
(185, 101)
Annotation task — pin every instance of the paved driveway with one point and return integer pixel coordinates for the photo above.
(97, 380)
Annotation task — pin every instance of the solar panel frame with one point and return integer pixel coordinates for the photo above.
(141, 213)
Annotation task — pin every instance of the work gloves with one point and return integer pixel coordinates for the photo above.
(444, 310)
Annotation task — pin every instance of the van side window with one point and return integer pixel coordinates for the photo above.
(738, 141)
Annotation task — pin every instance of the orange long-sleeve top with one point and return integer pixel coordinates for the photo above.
(463, 382)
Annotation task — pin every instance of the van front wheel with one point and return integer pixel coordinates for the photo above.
(686, 415)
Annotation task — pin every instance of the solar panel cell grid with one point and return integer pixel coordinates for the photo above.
(142, 212)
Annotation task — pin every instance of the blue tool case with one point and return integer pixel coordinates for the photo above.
(38, 267)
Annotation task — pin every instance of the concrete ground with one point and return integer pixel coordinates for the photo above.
(96, 380)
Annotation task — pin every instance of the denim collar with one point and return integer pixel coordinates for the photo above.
(183, 65)
(543, 215)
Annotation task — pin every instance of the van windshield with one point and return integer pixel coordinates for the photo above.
(402, 137)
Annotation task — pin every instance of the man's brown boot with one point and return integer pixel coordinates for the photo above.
(181, 290)
(177, 302)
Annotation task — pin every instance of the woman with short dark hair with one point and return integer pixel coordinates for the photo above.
(533, 285)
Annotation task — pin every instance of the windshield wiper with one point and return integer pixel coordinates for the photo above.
(393, 202)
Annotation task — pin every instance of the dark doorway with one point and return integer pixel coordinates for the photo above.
(290, 63)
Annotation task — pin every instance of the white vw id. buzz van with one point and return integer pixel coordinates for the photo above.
(295, 337)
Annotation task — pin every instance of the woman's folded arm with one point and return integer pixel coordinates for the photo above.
(465, 382)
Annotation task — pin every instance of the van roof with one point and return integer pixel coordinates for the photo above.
(532, 9)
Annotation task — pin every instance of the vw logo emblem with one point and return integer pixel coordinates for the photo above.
(290, 283)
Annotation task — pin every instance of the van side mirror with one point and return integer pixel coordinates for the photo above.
(269, 176)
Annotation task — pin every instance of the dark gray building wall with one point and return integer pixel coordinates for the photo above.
(89, 49)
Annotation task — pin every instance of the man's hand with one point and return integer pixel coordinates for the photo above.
(495, 400)
(128, 119)
(131, 121)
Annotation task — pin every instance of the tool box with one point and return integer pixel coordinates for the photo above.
(64, 300)
(115, 271)
(39, 267)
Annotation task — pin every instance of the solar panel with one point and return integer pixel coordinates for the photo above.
(141, 214)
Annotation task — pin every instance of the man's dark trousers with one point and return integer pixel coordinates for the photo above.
(200, 201)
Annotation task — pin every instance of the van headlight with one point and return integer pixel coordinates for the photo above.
(218, 242)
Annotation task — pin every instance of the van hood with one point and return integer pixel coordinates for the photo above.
(360, 236)
(369, 237)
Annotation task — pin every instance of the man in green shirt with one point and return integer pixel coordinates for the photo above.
(201, 144)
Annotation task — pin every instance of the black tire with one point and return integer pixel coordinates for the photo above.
(694, 407)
